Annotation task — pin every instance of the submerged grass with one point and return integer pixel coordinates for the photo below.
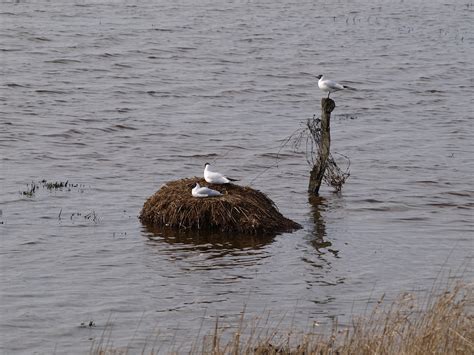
(442, 324)
(32, 188)
(240, 209)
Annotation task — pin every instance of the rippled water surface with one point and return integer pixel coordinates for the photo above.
(117, 98)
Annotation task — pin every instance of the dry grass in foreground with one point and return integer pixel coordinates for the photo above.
(442, 325)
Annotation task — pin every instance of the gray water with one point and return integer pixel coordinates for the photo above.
(119, 98)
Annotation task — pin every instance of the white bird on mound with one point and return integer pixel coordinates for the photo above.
(330, 86)
(203, 191)
(215, 178)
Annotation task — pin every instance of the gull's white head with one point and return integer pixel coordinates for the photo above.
(197, 186)
(206, 165)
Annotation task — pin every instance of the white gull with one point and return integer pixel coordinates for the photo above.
(202, 191)
(330, 86)
(214, 177)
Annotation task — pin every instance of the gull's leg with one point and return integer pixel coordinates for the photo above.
(329, 94)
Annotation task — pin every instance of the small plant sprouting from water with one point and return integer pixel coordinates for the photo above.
(89, 324)
(54, 185)
(91, 216)
(59, 185)
(30, 189)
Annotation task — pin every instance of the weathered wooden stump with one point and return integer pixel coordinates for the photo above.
(319, 168)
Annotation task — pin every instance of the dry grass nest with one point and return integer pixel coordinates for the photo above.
(240, 209)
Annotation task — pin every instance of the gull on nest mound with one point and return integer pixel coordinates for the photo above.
(202, 191)
(214, 177)
(239, 210)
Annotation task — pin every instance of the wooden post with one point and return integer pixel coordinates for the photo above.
(317, 172)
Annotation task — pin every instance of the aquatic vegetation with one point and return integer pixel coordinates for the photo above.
(85, 324)
(56, 185)
(89, 216)
(30, 189)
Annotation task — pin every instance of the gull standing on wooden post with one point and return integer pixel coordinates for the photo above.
(214, 177)
(330, 86)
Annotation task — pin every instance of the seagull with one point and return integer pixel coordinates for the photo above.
(199, 191)
(215, 178)
(330, 86)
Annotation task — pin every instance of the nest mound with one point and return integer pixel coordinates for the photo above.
(239, 209)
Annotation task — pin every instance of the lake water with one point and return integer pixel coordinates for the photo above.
(118, 98)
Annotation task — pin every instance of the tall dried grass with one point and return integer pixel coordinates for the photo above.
(443, 325)
(440, 325)
(240, 209)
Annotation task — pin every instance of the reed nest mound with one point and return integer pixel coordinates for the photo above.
(240, 209)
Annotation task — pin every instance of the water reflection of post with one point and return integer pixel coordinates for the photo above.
(319, 240)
